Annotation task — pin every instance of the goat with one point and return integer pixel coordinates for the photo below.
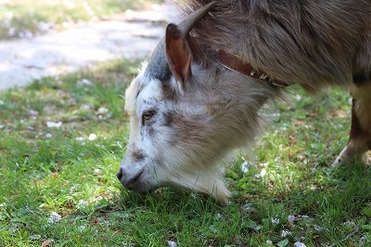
(200, 94)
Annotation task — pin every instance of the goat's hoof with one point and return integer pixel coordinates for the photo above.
(341, 158)
(344, 157)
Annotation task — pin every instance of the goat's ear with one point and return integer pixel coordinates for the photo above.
(179, 55)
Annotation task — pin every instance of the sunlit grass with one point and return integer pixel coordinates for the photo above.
(25, 18)
(62, 140)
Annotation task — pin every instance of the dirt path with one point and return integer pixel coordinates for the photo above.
(132, 35)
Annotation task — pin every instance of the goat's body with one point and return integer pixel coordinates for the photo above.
(313, 43)
(194, 110)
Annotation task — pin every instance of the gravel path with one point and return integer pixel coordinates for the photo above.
(132, 35)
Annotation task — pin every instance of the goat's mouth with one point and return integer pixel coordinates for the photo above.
(138, 184)
(132, 183)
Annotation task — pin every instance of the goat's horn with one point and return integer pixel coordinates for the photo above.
(187, 24)
(157, 66)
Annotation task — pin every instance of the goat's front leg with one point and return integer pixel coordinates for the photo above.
(360, 132)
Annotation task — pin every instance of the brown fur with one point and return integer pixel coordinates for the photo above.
(313, 43)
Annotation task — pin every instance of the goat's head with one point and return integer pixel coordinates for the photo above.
(183, 118)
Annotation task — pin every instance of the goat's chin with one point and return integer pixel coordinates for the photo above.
(208, 184)
(204, 183)
(144, 186)
(220, 194)
(142, 189)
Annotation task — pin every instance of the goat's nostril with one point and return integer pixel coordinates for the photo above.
(119, 174)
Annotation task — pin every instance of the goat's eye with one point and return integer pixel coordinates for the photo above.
(147, 116)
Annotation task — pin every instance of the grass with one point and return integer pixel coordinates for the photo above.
(287, 194)
(26, 18)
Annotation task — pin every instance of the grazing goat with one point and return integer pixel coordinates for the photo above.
(200, 93)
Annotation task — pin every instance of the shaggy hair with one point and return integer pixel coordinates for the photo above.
(314, 43)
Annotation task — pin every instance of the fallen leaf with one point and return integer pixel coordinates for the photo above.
(47, 242)
(283, 243)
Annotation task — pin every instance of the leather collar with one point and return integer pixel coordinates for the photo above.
(233, 63)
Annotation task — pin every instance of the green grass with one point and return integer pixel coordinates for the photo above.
(45, 170)
(25, 18)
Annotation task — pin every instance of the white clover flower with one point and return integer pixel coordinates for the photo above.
(244, 167)
(263, 172)
(318, 228)
(51, 124)
(83, 82)
(275, 221)
(48, 136)
(54, 218)
(291, 218)
(171, 243)
(102, 110)
(82, 204)
(285, 233)
(299, 244)
(80, 139)
(92, 137)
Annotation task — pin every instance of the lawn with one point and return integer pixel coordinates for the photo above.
(62, 139)
(26, 18)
